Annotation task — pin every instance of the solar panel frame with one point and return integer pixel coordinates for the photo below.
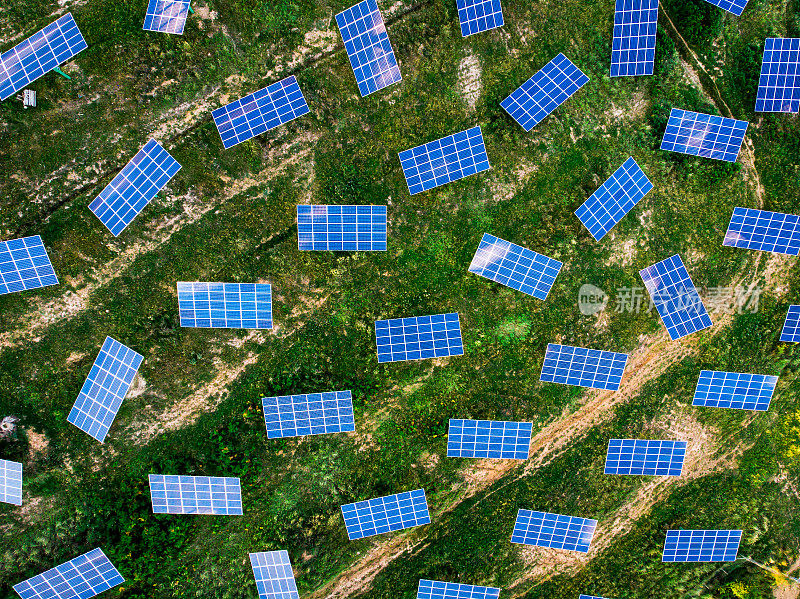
(645, 457)
(764, 231)
(274, 576)
(436, 589)
(791, 326)
(385, 514)
(418, 337)
(477, 16)
(701, 545)
(515, 266)
(734, 390)
(259, 112)
(705, 135)
(614, 199)
(634, 46)
(348, 228)
(545, 91)
(308, 414)
(166, 16)
(496, 439)
(24, 265)
(444, 160)
(675, 297)
(545, 529)
(779, 82)
(735, 7)
(583, 367)
(39, 54)
(11, 482)
(204, 304)
(81, 577)
(207, 495)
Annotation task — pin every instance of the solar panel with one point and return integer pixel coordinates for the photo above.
(385, 514)
(444, 160)
(24, 265)
(733, 6)
(310, 414)
(737, 390)
(418, 337)
(544, 529)
(705, 135)
(172, 494)
(489, 439)
(645, 457)
(614, 199)
(634, 46)
(225, 305)
(763, 230)
(166, 16)
(82, 577)
(368, 47)
(11, 482)
(515, 266)
(544, 92)
(134, 187)
(675, 297)
(590, 597)
(582, 367)
(779, 84)
(791, 327)
(341, 228)
(479, 15)
(104, 389)
(701, 545)
(274, 576)
(39, 54)
(434, 589)
(260, 111)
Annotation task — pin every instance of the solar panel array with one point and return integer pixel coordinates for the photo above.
(515, 266)
(444, 160)
(705, 135)
(368, 47)
(614, 199)
(134, 187)
(385, 514)
(80, 578)
(544, 92)
(310, 414)
(24, 265)
(791, 326)
(39, 54)
(675, 297)
(217, 495)
(341, 228)
(582, 367)
(11, 482)
(701, 545)
(102, 393)
(733, 6)
(166, 16)
(434, 589)
(489, 439)
(225, 305)
(274, 575)
(763, 230)
(418, 337)
(259, 112)
(544, 529)
(634, 46)
(479, 15)
(779, 83)
(737, 390)
(645, 457)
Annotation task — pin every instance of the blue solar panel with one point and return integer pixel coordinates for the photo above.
(80, 578)
(791, 327)
(166, 16)
(515, 266)
(418, 337)
(675, 297)
(11, 482)
(705, 135)
(544, 529)
(479, 15)
(134, 186)
(614, 199)
(733, 6)
(634, 47)
(39, 54)
(444, 160)
(385, 514)
(225, 305)
(260, 111)
(779, 84)
(583, 367)
(544, 92)
(311, 414)
(489, 439)
(645, 457)
(274, 575)
(104, 389)
(737, 390)
(24, 265)
(434, 589)
(763, 230)
(367, 44)
(590, 597)
(172, 494)
(701, 545)
(341, 228)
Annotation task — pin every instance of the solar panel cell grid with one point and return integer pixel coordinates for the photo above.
(645, 457)
(434, 589)
(701, 545)
(590, 597)
(732, 6)
(225, 305)
(489, 439)
(341, 228)
(24, 265)
(479, 15)
(80, 578)
(195, 495)
(274, 575)
(385, 514)
(763, 230)
(11, 482)
(705, 135)
(791, 327)
(311, 414)
(582, 367)
(166, 16)
(544, 529)
(634, 45)
(737, 390)
(779, 83)
(418, 337)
